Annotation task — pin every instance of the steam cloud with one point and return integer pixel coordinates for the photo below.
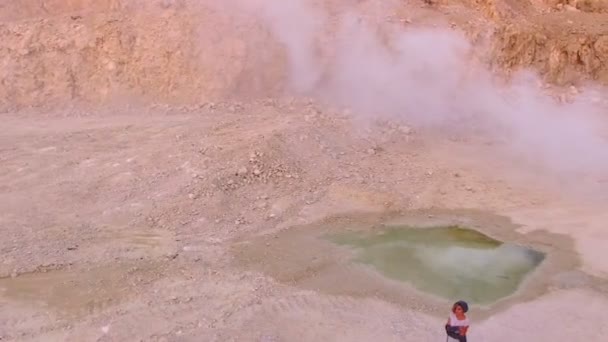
(424, 76)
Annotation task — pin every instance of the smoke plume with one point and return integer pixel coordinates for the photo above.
(426, 77)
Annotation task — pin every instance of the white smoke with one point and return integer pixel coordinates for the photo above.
(426, 78)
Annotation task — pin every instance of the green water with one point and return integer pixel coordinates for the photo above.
(451, 262)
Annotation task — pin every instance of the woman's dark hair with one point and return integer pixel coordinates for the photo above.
(462, 304)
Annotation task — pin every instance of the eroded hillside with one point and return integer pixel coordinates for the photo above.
(195, 51)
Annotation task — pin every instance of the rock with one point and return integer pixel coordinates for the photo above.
(261, 205)
(167, 3)
(242, 171)
(191, 196)
(105, 329)
(171, 256)
(257, 172)
(371, 151)
(405, 129)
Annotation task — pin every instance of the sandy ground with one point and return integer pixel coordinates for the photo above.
(125, 247)
(127, 222)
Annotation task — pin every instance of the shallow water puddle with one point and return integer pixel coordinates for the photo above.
(450, 262)
(76, 293)
(421, 259)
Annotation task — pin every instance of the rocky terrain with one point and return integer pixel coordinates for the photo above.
(143, 142)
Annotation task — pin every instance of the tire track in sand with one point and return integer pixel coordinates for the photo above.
(308, 316)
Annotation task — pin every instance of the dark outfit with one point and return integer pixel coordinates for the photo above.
(454, 332)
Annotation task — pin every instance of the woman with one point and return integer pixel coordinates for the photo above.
(458, 323)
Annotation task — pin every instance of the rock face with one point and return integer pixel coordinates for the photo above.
(28, 9)
(563, 53)
(564, 40)
(186, 51)
(591, 6)
(155, 52)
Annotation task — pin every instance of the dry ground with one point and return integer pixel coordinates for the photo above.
(119, 222)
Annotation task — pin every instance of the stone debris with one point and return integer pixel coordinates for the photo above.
(242, 171)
